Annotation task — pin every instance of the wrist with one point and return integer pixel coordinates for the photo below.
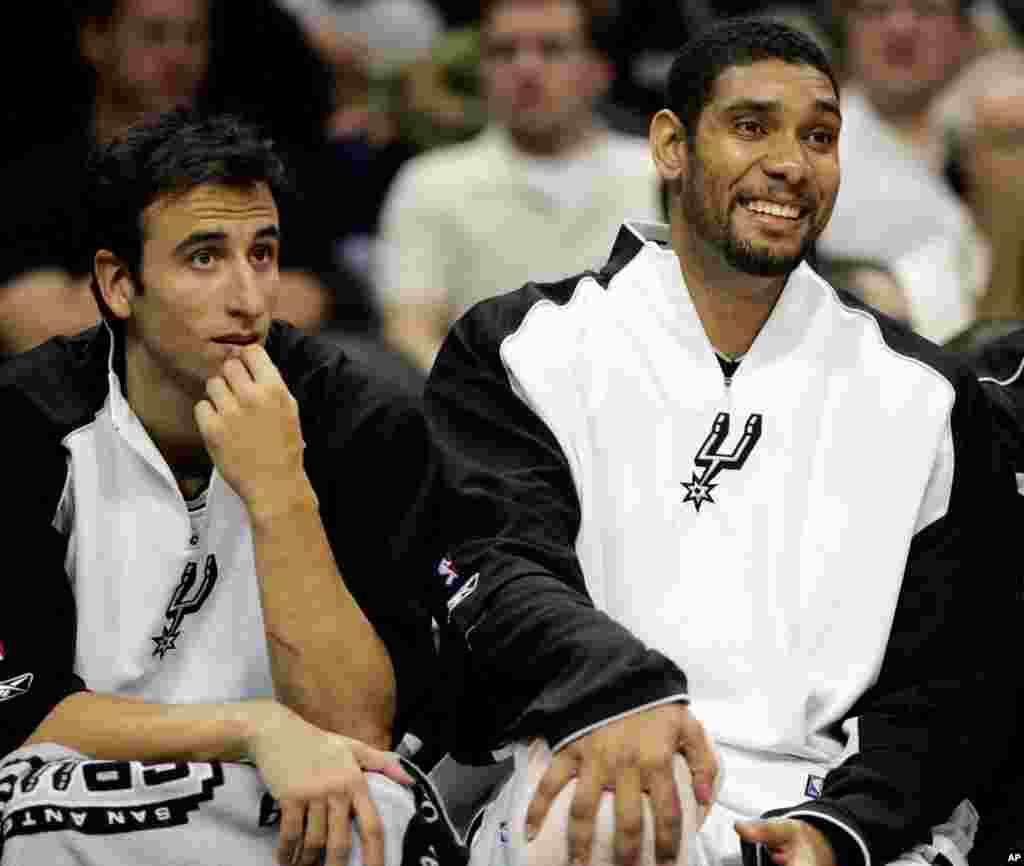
(249, 727)
(287, 499)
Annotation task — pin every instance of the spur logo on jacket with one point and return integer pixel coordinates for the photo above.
(183, 603)
(711, 459)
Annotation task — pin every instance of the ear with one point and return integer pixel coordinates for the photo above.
(669, 145)
(93, 40)
(117, 288)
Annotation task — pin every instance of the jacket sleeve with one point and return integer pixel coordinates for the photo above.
(938, 720)
(525, 649)
(37, 609)
(375, 473)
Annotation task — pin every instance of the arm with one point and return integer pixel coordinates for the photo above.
(327, 661)
(513, 589)
(939, 717)
(316, 776)
(413, 264)
(375, 473)
(518, 590)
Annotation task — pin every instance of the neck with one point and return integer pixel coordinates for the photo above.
(732, 305)
(167, 413)
(556, 142)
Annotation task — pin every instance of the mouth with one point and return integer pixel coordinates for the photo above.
(237, 339)
(787, 211)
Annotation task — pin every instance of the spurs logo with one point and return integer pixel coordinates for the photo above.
(712, 460)
(183, 604)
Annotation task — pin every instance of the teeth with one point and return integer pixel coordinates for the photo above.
(768, 207)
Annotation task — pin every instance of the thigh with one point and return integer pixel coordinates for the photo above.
(500, 839)
(59, 807)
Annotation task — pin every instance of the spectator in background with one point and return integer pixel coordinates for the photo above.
(137, 58)
(896, 205)
(538, 193)
(985, 111)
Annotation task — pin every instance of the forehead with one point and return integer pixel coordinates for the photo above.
(208, 207)
(794, 86)
(509, 18)
(163, 10)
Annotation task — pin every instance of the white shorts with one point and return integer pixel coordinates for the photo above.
(59, 808)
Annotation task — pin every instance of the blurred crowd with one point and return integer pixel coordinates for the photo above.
(444, 150)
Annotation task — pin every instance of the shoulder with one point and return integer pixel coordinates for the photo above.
(490, 322)
(61, 383)
(895, 341)
(333, 389)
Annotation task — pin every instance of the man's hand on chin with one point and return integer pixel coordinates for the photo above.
(789, 841)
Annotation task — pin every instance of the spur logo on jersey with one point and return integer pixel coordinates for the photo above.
(187, 598)
(711, 459)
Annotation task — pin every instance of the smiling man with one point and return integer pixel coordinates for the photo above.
(729, 515)
(228, 519)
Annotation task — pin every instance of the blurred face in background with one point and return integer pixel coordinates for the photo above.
(541, 77)
(903, 51)
(151, 55)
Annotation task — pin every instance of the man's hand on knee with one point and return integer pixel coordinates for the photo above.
(632, 757)
(319, 780)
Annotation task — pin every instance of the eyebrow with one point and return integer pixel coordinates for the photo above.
(196, 238)
(760, 106)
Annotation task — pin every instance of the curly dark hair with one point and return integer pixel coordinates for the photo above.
(729, 43)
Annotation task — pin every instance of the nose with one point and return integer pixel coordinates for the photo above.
(902, 19)
(786, 161)
(250, 293)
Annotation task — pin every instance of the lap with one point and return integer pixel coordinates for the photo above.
(710, 839)
(61, 808)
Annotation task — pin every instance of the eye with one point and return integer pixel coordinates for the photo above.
(749, 128)
(201, 258)
(822, 138)
(264, 253)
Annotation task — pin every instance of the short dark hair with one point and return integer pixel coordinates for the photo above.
(170, 155)
(729, 43)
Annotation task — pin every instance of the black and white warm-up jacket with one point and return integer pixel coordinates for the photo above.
(125, 588)
(805, 551)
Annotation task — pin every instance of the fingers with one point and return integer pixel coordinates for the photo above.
(583, 811)
(377, 761)
(775, 833)
(700, 756)
(316, 833)
(220, 395)
(258, 364)
(629, 817)
(668, 815)
(370, 829)
(557, 776)
(339, 832)
(290, 836)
